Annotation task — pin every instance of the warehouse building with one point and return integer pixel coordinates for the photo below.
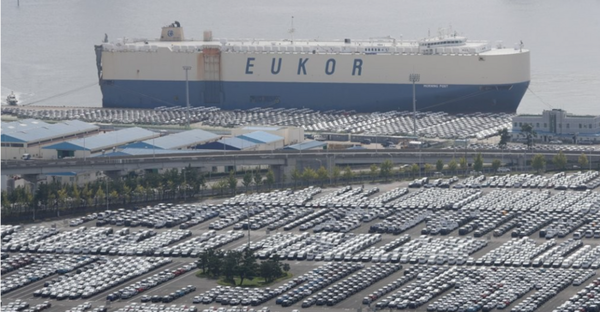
(178, 141)
(230, 144)
(307, 145)
(106, 142)
(26, 138)
(265, 141)
(557, 125)
(290, 135)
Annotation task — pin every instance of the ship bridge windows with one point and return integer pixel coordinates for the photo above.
(374, 50)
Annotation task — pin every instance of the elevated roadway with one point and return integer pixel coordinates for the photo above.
(281, 161)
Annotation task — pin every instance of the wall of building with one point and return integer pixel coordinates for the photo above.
(290, 135)
(559, 125)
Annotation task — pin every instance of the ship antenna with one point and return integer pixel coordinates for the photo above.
(521, 46)
(292, 30)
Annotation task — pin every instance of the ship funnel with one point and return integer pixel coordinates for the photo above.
(173, 32)
(208, 35)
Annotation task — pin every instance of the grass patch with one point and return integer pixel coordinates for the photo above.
(256, 282)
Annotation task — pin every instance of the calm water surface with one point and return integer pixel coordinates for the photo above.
(48, 54)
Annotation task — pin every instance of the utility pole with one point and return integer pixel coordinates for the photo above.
(414, 78)
(187, 96)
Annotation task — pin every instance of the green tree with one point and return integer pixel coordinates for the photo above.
(5, 202)
(496, 164)
(247, 180)
(439, 165)
(337, 172)
(248, 267)
(270, 270)
(478, 162)
(560, 161)
(322, 175)
(415, 169)
(127, 193)
(100, 196)
(452, 165)
(231, 264)
(583, 161)
(385, 169)
(428, 168)
(309, 175)
(296, 176)
(62, 196)
(203, 259)
(214, 264)
(529, 133)
(258, 179)
(76, 194)
(462, 162)
(538, 162)
(348, 174)
(113, 196)
(286, 267)
(504, 138)
(374, 172)
(270, 179)
(232, 181)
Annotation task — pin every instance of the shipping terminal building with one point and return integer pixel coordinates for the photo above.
(558, 125)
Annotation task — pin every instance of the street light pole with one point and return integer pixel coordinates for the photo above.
(187, 96)
(414, 78)
(106, 192)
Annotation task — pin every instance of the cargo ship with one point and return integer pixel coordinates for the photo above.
(447, 72)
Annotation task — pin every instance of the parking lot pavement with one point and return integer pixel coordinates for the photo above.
(556, 204)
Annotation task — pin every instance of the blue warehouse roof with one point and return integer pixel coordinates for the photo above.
(306, 146)
(105, 141)
(178, 140)
(228, 144)
(33, 131)
(260, 137)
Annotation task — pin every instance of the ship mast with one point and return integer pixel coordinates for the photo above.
(292, 30)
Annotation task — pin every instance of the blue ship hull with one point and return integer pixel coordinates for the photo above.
(317, 96)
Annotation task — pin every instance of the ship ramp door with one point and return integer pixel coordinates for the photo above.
(212, 75)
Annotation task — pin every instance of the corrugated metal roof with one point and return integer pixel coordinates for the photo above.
(105, 140)
(33, 131)
(146, 151)
(177, 140)
(306, 145)
(261, 128)
(238, 143)
(260, 137)
(25, 124)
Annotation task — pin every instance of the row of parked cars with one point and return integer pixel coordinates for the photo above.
(319, 279)
(20, 237)
(193, 247)
(351, 285)
(150, 282)
(98, 277)
(42, 266)
(275, 198)
(20, 305)
(584, 300)
(170, 297)
(153, 307)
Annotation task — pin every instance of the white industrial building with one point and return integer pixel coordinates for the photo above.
(557, 124)
(98, 144)
(290, 135)
(29, 136)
